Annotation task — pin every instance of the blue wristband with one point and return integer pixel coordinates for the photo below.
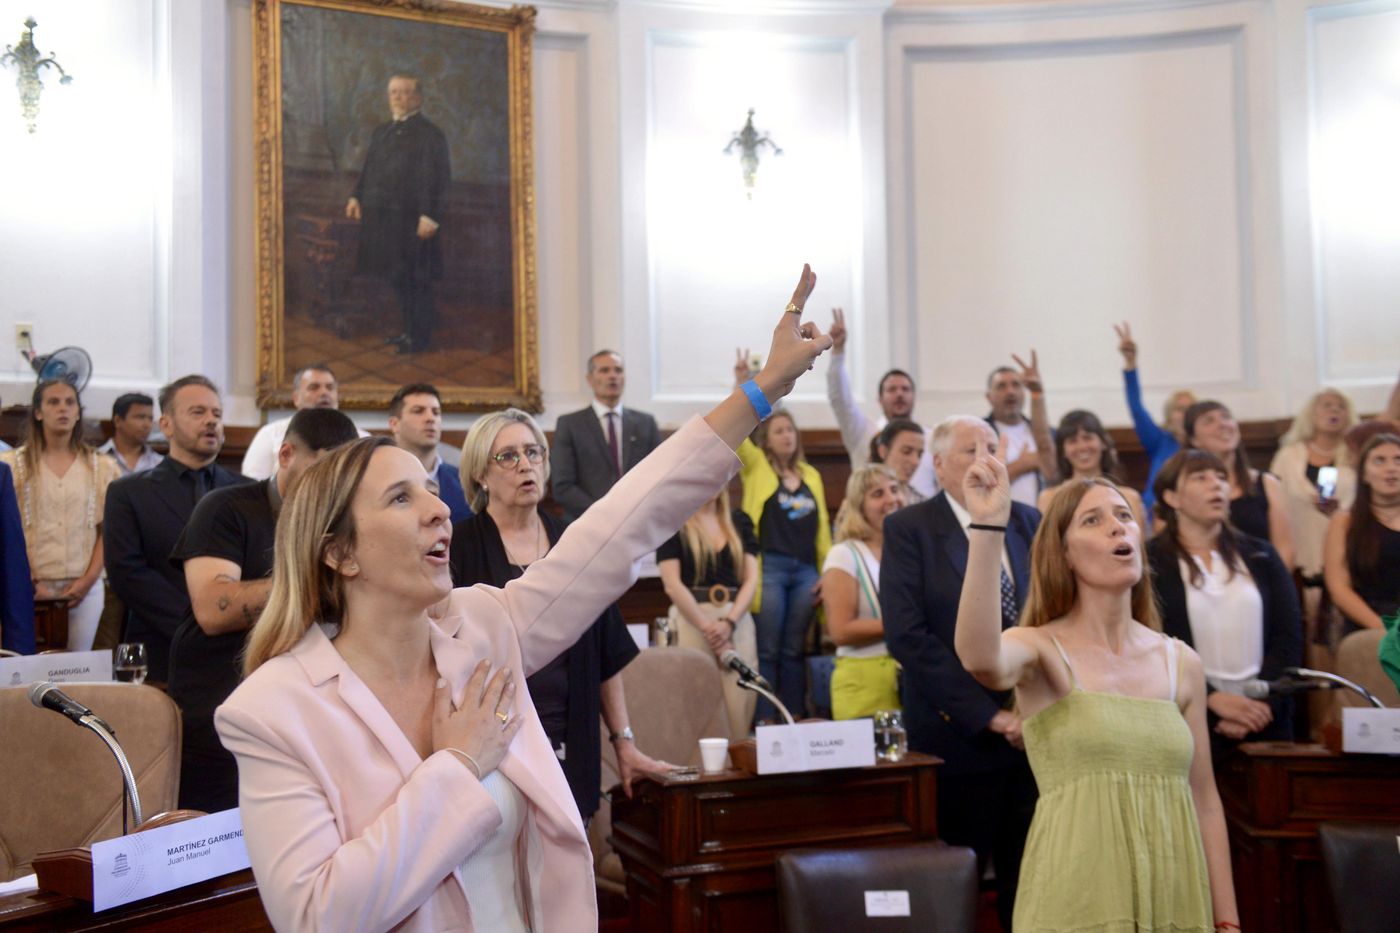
(757, 400)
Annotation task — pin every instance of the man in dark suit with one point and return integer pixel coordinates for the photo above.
(225, 554)
(146, 512)
(400, 201)
(593, 447)
(415, 421)
(986, 793)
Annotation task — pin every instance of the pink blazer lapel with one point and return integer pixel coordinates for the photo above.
(321, 662)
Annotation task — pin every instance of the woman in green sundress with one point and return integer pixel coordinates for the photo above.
(1129, 834)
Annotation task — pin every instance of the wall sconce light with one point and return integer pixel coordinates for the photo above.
(27, 57)
(749, 141)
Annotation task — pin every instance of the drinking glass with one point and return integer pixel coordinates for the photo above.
(129, 666)
(891, 741)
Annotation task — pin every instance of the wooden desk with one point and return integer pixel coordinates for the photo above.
(228, 904)
(699, 854)
(1275, 794)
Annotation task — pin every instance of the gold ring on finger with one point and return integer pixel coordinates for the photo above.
(503, 717)
(792, 308)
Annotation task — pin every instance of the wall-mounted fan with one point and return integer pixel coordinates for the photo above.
(71, 364)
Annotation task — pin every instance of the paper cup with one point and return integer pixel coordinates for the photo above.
(713, 752)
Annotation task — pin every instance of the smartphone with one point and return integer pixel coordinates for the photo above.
(1327, 482)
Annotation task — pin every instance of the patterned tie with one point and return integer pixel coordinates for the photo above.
(613, 445)
(1008, 600)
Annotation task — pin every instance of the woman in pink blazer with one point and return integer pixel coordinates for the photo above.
(392, 770)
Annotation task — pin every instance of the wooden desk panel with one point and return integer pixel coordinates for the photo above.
(229, 904)
(699, 854)
(1275, 794)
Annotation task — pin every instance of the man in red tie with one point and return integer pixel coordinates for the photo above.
(596, 445)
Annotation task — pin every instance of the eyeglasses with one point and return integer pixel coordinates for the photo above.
(510, 459)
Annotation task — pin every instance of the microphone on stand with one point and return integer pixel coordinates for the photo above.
(751, 679)
(46, 696)
(1282, 687)
(730, 659)
(1299, 679)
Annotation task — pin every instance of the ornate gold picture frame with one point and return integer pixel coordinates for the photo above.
(395, 200)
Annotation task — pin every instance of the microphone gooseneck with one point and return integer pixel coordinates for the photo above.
(750, 679)
(45, 695)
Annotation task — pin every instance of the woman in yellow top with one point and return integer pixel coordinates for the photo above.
(866, 678)
(61, 484)
(785, 499)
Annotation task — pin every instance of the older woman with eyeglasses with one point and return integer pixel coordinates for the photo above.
(504, 467)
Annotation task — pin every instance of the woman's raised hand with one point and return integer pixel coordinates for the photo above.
(987, 488)
(796, 345)
(1126, 345)
(484, 725)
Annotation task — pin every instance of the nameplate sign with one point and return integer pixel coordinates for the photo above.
(129, 868)
(1372, 730)
(68, 667)
(816, 746)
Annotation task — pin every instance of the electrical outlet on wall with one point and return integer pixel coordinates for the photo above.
(24, 335)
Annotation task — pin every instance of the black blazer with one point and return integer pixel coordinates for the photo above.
(143, 518)
(580, 464)
(946, 711)
(1283, 623)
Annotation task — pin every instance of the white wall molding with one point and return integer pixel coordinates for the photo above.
(1241, 100)
(1353, 104)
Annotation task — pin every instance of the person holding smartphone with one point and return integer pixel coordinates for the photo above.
(1314, 467)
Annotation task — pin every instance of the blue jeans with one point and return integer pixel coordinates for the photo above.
(784, 612)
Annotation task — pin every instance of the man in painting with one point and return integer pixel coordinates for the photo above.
(399, 201)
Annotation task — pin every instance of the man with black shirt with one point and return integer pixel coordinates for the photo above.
(146, 512)
(226, 555)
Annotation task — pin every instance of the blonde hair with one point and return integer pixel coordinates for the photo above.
(316, 522)
(476, 451)
(850, 517)
(693, 537)
(1054, 587)
(1171, 401)
(1304, 426)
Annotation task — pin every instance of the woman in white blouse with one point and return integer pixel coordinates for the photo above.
(61, 483)
(1227, 595)
(866, 678)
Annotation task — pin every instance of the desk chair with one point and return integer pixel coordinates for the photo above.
(824, 889)
(1358, 661)
(61, 784)
(675, 697)
(1363, 872)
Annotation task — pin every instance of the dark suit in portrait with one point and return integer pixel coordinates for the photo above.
(405, 178)
(581, 465)
(986, 793)
(144, 517)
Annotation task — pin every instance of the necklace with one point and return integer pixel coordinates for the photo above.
(539, 547)
(1318, 450)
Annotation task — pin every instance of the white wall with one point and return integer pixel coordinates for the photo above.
(968, 180)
